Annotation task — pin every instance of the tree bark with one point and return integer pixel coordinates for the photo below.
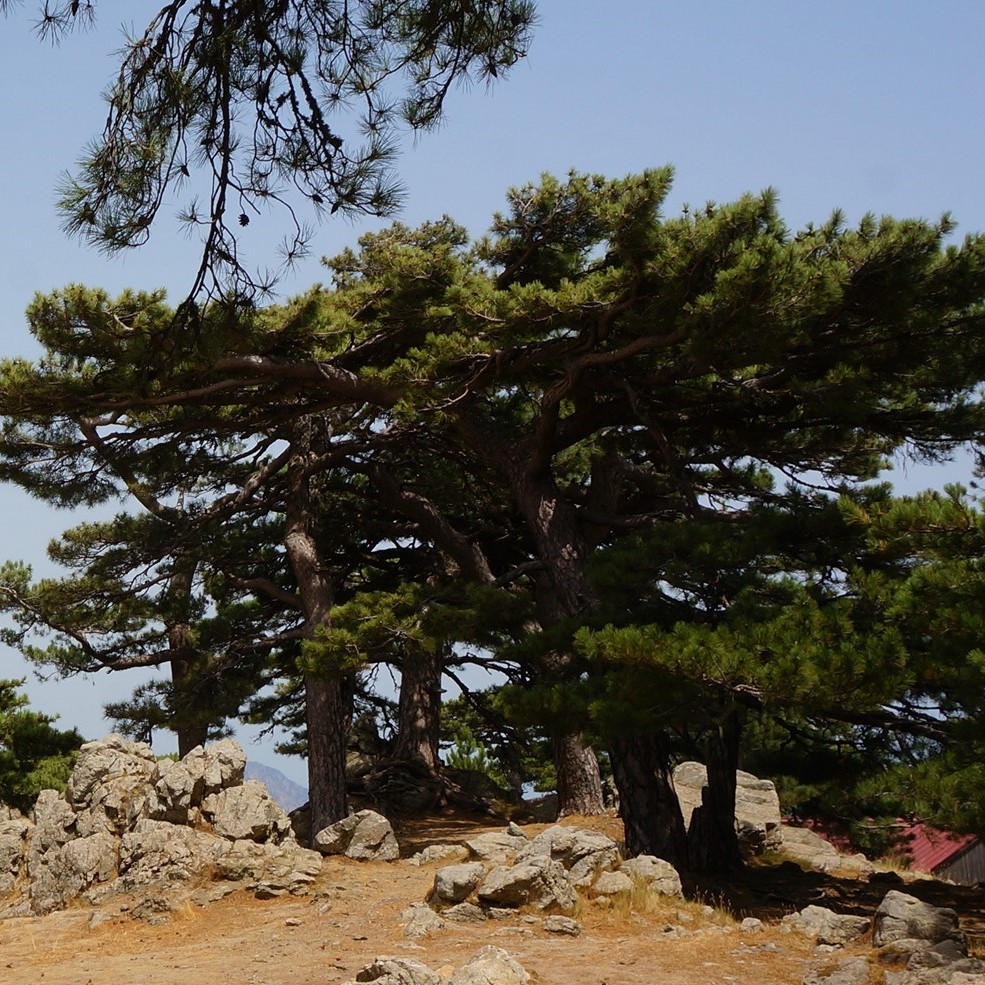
(327, 714)
(712, 839)
(419, 708)
(191, 704)
(649, 806)
(579, 784)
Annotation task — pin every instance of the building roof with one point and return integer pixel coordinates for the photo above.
(928, 848)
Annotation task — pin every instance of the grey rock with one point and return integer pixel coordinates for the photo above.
(63, 872)
(14, 835)
(900, 951)
(947, 952)
(851, 971)
(420, 920)
(398, 971)
(438, 853)
(658, 876)
(826, 925)
(613, 884)
(153, 909)
(565, 926)
(583, 853)
(495, 846)
(247, 811)
(465, 913)
(490, 966)
(157, 850)
(286, 866)
(220, 765)
(456, 883)
(809, 849)
(750, 925)
(538, 881)
(54, 822)
(106, 761)
(757, 806)
(366, 836)
(900, 915)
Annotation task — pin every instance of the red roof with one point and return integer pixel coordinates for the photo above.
(929, 848)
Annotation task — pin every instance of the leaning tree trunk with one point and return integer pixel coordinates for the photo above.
(419, 708)
(712, 838)
(649, 806)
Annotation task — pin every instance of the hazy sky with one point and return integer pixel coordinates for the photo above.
(872, 106)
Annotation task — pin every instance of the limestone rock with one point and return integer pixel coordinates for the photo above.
(14, 835)
(850, 971)
(420, 920)
(900, 915)
(538, 881)
(465, 913)
(438, 853)
(583, 853)
(65, 871)
(658, 875)
(365, 835)
(809, 849)
(490, 966)
(613, 884)
(456, 883)
(495, 846)
(757, 806)
(157, 850)
(565, 926)
(826, 925)
(398, 971)
(247, 811)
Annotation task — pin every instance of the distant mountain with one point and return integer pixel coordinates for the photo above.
(286, 792)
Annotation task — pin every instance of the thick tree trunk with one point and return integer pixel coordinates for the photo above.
(579, 784)
(649, 806)
(419, 709)
(192, 707)
(712, 839)
(327, 713)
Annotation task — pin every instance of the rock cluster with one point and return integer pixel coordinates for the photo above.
(131, 823)
(919, 944)
(488, 966)
(506, 871)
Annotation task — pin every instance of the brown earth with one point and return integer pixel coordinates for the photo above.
(353, 915)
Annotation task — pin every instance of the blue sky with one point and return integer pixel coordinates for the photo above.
(868, 106)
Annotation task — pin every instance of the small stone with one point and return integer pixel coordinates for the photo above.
(562, 925)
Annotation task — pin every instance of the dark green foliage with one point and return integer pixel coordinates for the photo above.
(34, 755)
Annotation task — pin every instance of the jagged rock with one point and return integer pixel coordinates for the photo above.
(757, 806)
(900, 951)
(398, 971)
(365, 835)
(658, 875)
(538, 881)
(809, 849)
(285, 867)
(54, 823)
(153, 909)
(583, 853)
(420, 920)
(247, 811)
(826, 925)
(850, 971)
(490, 966)
(613, 884)
(456, 883)
(157, 850)
(465, 913)
(947, 952)
(14, 834)
(565, 926)
(900, 915)
(496, 846)
(65, 871)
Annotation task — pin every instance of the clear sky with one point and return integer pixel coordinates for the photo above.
(873, 106)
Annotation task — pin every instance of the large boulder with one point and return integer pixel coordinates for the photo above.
(810, 850)
(247, 811)
(398, 971)
(826, 926)
(65, 871)
(456, 883)
(583, 853)
(496, 846)
(757, 806)
(490, 966)
(156, 850)
(365, 835)
(902, 916)
(538, 881)
(657, 875)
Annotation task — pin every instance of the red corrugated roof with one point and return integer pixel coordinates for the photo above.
(929, 848)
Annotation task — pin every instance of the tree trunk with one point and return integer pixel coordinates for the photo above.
(327, 714)
(649, 806)
(419, 708)
(579, 784)
(191, 705)
(712, 838)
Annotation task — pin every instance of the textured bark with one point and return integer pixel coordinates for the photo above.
(193, 708)
(713, 843)
(650, 809)
(579, 784)
(419, 709)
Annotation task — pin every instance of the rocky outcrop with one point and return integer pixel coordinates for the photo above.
(365, 835)
(826, 926)
(128, 823)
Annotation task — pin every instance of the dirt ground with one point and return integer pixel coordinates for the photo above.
(353, 916)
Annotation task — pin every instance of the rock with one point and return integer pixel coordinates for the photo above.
(153, 909)
(900, 951)
(455, 883)
(157, 850)
(365, 835)
(613, 884)
(851, 971)
(757, 806)
(583, 853)
(809, 849)
(54, 823)
(826, 925)
(398, 971)
(538, 881)
(247, 811)
(65, 871)
(495, 846)
(105, 762)
(14, 835)
(420, 920)
(220, 765)
(658, 876)
(557, 924)
(438, 853)
(490, 966)
(465, 913)
(750, 925)
(900, 916)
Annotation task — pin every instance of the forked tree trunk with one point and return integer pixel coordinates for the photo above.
(649, 806)
(419, 709)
